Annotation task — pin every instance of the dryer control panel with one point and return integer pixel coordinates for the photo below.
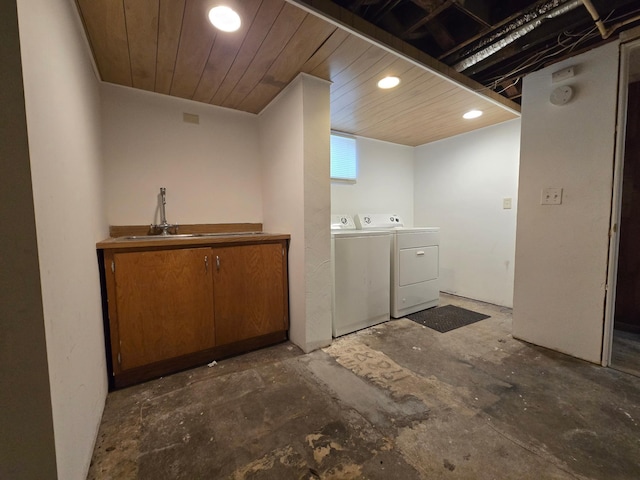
(378, 221)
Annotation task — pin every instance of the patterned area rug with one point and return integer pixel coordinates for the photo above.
(446, 318)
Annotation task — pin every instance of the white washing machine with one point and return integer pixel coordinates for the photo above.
(415, 259)
(361, 275)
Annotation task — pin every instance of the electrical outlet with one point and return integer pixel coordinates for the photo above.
(506, 203)
(551, 196)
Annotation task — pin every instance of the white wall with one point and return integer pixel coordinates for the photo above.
(211, 170)
(460, 184)
(384, 185)
(561, 252)
(317, 210)
(62, 108)
(294, 139)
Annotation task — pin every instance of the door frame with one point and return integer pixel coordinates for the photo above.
(616, 200)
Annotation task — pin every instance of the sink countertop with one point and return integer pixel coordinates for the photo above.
(201, 239)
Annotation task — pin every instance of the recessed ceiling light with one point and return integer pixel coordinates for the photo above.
(224, 18)
(472, 114)
(389, 82)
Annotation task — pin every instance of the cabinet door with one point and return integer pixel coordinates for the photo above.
(164, 304)
(249, 291)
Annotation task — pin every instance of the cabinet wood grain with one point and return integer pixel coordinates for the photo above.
(171, 305)
(164, 304)
(249, 284)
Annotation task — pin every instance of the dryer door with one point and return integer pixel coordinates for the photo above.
(418, 265)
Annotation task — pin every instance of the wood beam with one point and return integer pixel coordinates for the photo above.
(431, 14)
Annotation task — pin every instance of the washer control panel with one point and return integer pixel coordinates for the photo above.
(342, 222)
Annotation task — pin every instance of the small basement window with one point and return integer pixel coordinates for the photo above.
(344, 161)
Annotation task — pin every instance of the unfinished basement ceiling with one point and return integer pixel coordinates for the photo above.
(494, 42)
(169, 47)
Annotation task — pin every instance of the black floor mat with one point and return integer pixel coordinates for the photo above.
(446, 318)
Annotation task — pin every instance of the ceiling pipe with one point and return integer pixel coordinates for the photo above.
(604, 32)
(537, 18)
(596, 18)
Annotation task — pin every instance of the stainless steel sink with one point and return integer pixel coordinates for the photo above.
(188, 235)
(156, 237)
(227, 234)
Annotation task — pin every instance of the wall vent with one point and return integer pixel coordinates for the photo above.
(191, 118)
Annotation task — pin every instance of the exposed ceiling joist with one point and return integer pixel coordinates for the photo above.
(494, 41)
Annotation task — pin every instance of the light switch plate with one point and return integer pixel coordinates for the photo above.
(551, 196)
(506, 203)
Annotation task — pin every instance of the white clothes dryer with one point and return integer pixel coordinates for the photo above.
(415, 258)
(361, 276)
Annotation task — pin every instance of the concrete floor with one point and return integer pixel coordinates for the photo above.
(396, 401)
(625, 352)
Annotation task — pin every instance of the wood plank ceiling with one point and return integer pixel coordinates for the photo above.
(169, 47)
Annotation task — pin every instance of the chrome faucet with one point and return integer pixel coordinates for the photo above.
(164, 226)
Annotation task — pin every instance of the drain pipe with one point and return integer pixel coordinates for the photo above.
(601, 28)
(596, 18)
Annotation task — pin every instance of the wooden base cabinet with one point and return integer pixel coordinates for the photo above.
(164, 304)
(175, 308)
(249, 292)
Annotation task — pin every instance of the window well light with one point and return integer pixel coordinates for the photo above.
(224, 18)
(472, 114)
(389, 82)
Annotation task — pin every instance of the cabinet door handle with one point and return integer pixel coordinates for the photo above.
(206, 263)
(420, 253)
(217, 263)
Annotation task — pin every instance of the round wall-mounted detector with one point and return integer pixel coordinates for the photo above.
(561, 95)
